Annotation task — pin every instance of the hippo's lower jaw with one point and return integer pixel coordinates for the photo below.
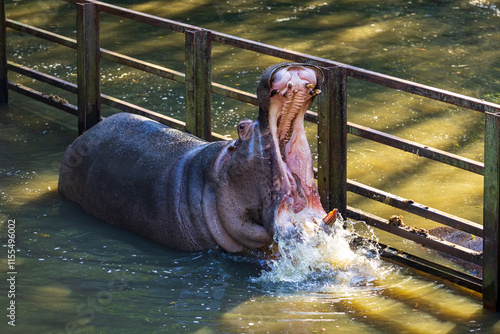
(292, 89)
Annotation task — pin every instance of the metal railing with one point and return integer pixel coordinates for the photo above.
(331, 118)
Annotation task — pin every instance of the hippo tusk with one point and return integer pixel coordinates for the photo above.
(274, 92)
(331, 217)
(315, 92)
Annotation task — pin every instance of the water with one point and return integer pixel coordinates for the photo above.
(78, 274)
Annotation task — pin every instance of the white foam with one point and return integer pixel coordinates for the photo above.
(322, 253)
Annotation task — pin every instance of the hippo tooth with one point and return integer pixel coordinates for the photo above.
(309, 85)
(274, 92)
(315, 92)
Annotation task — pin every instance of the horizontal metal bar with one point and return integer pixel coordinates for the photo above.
(108, 100)
(355, 72)
(139, 17)
(69, 42)
(428, 241)
(51, 80)
(271, 50)
(408, 146)
(52, 100)
(415, 208)
(143, 66)
(234, 93)
(422, 90)
(134, 109)
(416, 148)
(429, 267)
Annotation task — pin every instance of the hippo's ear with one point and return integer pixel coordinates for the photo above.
(319, 75)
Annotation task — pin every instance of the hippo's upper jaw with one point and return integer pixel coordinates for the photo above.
(290, 91)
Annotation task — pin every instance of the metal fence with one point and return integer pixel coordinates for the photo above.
(331, 119)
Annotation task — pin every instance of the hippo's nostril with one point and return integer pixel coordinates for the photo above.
(231, 149)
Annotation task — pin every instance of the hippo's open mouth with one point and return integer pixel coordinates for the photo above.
(292, 89)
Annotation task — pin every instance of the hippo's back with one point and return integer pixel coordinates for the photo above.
(123, 170)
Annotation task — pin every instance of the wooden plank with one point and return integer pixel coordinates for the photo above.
(332, 140)
(198, 83)
(190, 105)
(415, 208)
(491, 270)
(88, 66)
(428, 241)
(4, 78)
(416, 148)
(51, 100)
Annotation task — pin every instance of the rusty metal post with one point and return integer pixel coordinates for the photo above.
(4, 90)
(332, 140)
(491, 248)
(88, 63)
(198, 83)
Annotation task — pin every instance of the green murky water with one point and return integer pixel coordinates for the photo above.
(76, 274)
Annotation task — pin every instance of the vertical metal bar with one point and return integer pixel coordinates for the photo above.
(332, 140)
(88, 57)
(190, 80)
(491, 249)
(198, 83)
(4, 91)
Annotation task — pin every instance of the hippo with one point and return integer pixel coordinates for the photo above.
(188, 194)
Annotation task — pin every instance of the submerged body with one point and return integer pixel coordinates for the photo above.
(188, 194)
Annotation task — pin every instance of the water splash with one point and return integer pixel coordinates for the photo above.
(322, 254)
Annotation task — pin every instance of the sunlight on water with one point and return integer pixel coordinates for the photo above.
(322, 253)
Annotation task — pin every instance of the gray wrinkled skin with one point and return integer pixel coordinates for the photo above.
(170, 186)
(181, 191)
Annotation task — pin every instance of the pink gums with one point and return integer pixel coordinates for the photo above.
(291, 94)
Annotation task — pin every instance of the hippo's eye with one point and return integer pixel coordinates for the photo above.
(243, 128)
